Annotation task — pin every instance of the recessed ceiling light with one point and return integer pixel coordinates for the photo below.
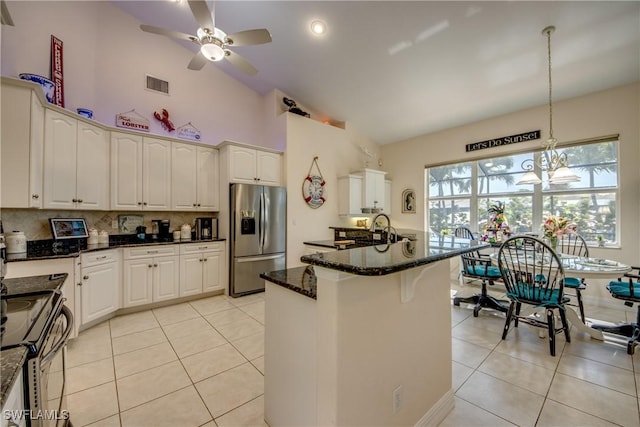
(318, 27)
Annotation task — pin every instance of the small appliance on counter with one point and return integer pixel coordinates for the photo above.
(206, 228)
(185, 232)
(141, 232)
(160, 230)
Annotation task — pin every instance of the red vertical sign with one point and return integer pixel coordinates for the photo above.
(56, 70)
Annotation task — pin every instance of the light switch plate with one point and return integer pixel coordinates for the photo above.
(114, 224)
(342, 234)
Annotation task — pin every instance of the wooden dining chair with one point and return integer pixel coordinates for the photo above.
(478, 266)
(574, 244)
(532, 273)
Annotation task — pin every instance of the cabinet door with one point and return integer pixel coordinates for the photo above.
(126, 171)
(269, 168)
(92, 178)
(350, 195)
(166, 284)
(213, 277)
(60, 161)
(388, 203)
(100, 291)
(373, 194)
(208, 182)
(184, 176)
(242, 165)
(138, 282)
(191, 274)
(36, 152)
(156, 174)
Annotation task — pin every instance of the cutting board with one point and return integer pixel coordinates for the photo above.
(344, 242)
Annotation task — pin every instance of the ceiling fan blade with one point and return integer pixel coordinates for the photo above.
(168, 33)
(5, 16)
(197, 62)
(203, 15)
(249, 37)
(240, 63)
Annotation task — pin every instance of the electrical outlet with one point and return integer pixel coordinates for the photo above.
(342, 234)
(114, 224)
(397, 399)
(377, 236)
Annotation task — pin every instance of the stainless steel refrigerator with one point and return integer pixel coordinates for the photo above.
(257, 235)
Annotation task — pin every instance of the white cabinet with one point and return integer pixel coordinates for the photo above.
(203, 268)
(350, 195)
(100, 286)
(76, 164)
(363, 189)
(373, 189)
(140, 173)
(251, 166)
(150, 274)
(194, 177)
(22, 133)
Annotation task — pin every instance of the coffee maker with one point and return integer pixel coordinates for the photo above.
(206, 228)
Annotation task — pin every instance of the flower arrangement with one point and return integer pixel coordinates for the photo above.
(497, 227)
(556, 226)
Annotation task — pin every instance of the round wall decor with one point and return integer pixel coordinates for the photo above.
(313, 187)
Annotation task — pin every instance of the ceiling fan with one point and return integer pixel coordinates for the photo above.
(214, 43)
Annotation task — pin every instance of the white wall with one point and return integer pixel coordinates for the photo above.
(339, 153)
(106, 58)
(603, 113)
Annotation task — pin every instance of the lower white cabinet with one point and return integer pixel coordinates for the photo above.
(203, 268)
(150, 274)
(100, 285)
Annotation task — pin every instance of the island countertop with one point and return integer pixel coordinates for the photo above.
(379, 260)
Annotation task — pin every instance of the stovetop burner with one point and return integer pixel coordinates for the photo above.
(24, 316)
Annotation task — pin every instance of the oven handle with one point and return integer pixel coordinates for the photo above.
(63, 340)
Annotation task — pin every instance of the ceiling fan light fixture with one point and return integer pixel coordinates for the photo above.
(212, 50)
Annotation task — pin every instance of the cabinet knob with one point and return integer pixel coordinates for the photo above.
(79, 200)
(85, 277)
(79, 283)
(150, 265)
(205, 260)
(144, 203)
(74, 200)
(198, 204)
(200, 260)
(194, 205)
(139, 203)
(35, 196)
(155, 265)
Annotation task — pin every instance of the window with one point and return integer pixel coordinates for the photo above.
(459, 194)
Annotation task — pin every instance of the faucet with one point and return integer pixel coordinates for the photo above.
(388, 227)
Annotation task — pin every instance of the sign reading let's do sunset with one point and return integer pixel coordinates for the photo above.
(505, 140)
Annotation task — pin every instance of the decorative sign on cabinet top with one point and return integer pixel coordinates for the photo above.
(132, 120)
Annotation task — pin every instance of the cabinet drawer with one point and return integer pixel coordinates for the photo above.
(150, 251)
(201, 247)
(98, 257)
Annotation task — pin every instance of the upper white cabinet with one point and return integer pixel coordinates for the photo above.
(363, 189)
(194, 178)
(140, 173)
(22, 130)
(76, 164)
(251, 166)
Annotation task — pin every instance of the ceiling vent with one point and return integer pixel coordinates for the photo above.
(157, 85)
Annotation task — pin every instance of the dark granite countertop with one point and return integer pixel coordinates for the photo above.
(299, 279)
(11, 360)
(385, 258)
(50, 249)
(331, 244)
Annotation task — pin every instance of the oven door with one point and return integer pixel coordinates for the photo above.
(47, 376)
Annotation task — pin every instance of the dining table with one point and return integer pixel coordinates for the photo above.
(588, 268)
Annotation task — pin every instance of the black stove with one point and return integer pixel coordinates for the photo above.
(25, 318)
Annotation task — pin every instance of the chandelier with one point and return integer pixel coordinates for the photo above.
(550, 160)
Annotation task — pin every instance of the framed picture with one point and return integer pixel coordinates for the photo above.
(409, 201)
(127, 223)
(68, 228)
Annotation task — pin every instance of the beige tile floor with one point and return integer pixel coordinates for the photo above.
(201, 364)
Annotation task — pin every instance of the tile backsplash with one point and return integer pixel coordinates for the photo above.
(35, 222)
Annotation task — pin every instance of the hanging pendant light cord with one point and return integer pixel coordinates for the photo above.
(548, 32)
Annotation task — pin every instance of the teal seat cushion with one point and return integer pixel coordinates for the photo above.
(572, 282)
(479, 270)
(621, 289)
(535, 293)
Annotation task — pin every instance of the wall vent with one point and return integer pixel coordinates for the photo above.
(157, 85)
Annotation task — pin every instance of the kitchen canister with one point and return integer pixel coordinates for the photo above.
(176, 236)
(93, 237)
(103, 237)
(16, 242)
(185, 232)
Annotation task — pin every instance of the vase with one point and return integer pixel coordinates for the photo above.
(553, 242)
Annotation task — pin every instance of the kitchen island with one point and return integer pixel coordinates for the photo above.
(363, 336)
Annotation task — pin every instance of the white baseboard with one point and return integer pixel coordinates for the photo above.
(438, 412)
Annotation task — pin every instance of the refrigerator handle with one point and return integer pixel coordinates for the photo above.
(267, 221)
(262, 230)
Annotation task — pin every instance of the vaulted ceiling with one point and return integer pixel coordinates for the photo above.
(395, 69)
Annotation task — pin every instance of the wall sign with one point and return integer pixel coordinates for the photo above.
(57, 75)
(132, 120)
(505, 140)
